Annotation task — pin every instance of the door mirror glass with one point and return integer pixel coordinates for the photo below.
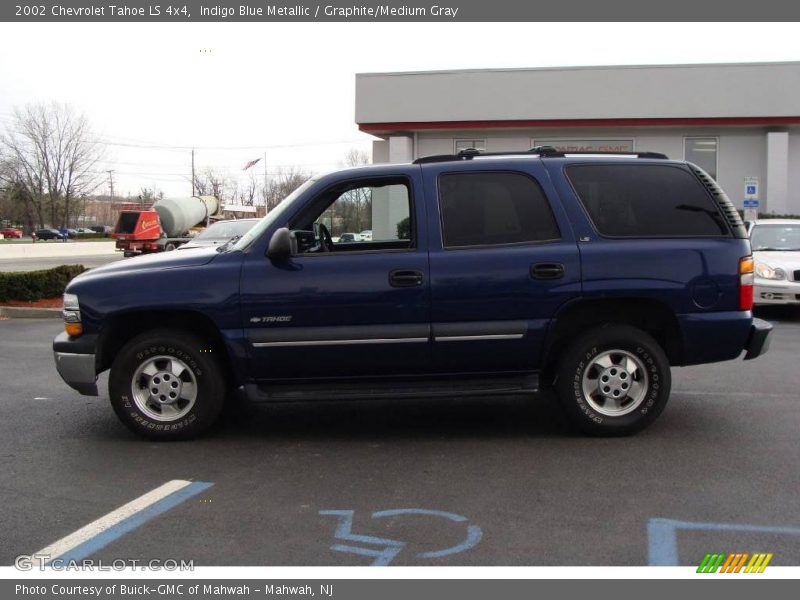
(282, 245)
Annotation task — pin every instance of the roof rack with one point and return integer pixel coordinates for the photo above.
(539, 151)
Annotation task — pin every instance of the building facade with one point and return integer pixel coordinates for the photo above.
(737, 121)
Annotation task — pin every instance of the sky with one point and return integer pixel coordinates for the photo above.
(238, 91)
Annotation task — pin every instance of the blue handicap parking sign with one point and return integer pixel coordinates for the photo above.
(751, 189)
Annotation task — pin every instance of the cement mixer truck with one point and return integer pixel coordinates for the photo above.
(170, 223)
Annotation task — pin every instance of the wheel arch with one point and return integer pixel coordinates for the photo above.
(652, 316)
(123, 327)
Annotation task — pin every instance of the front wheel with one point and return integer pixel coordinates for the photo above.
(614, 380)
(167, 385)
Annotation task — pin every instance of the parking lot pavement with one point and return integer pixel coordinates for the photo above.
(465, 482)
(36, 263)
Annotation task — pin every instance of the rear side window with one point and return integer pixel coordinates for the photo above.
(646, 201)
(485, 209)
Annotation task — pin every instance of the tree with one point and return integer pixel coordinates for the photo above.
(210, 183)
(356, 158)
(284, 183)
(51, 154)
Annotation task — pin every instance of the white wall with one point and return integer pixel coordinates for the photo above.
(666, 91)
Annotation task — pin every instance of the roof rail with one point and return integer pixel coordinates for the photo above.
(539, 151)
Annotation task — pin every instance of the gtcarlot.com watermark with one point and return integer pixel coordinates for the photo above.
(42, 562)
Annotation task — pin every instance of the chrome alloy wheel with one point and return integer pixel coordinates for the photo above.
(615, 383)
(164, 388)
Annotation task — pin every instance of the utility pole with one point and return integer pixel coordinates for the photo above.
(192, 172)
(111, 183)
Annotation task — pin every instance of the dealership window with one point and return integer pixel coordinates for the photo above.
(482, 209)
(466, 144)
(646, 201)
(703, 153)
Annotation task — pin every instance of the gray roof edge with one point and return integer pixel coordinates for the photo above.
(583, 68)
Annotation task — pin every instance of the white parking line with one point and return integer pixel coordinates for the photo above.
(104, 530)
(740, 394)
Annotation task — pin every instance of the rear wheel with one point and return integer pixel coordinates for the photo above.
(614, 380)
(170, 246)
(167, 385)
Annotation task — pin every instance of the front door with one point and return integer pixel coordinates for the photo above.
(354, 299)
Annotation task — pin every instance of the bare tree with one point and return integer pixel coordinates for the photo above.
(356, 158)
(209, 182)
(284, 183)
(51, 153)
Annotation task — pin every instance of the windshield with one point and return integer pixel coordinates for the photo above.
(271, 217)
(225, 230)
(775, 237)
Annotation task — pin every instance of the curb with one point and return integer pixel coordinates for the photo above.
(23, 312)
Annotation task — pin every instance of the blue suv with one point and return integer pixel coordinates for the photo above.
(486, 274)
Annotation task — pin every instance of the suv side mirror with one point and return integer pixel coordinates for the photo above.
(282, 245)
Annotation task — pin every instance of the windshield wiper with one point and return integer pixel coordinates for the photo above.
(769, 249)
(223, 247)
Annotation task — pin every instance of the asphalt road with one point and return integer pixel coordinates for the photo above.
(34, 264)
(526, 490)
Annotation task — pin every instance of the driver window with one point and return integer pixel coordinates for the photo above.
(364, 217)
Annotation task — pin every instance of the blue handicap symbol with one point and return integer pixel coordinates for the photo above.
(385, 549)
(751, 189)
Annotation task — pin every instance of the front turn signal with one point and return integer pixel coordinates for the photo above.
(73, 329)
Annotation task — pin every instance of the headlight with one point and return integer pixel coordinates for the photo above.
(71, 302)
(72, 315)
(764, 271)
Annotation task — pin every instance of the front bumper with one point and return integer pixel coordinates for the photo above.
(776, 292)
(75, 362)
(759, 339)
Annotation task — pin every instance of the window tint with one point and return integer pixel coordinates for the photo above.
(480, 209)
(646, 201)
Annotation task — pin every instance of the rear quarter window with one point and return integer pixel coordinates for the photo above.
(646, 201)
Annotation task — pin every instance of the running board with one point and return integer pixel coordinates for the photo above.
(306, 392)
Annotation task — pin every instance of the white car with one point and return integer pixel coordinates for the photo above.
(776, 251)
(366, 235)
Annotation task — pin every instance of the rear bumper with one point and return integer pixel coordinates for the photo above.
(75, 362)
(758, 342)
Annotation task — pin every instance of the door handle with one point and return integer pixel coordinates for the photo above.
(547, 271)
(405, 278)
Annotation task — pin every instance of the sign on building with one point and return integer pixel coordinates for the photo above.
(586, 145)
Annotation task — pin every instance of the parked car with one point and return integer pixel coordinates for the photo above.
(220, 233)
(349, 237)
(49, 234)
(102, 229)
(11, 232)
(776, 251)
(85, 231)
(589, 274)
(366, 235)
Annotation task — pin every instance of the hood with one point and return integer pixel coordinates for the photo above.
(162, 260)
(789, 261)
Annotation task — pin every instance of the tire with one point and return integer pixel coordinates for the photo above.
(636, 385)
(169, 247)
(189, 380)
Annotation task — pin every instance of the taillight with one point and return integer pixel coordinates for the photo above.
(746, 283)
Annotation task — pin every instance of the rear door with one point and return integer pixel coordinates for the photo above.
(503, 259)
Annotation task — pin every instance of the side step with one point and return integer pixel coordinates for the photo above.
(394, 390)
